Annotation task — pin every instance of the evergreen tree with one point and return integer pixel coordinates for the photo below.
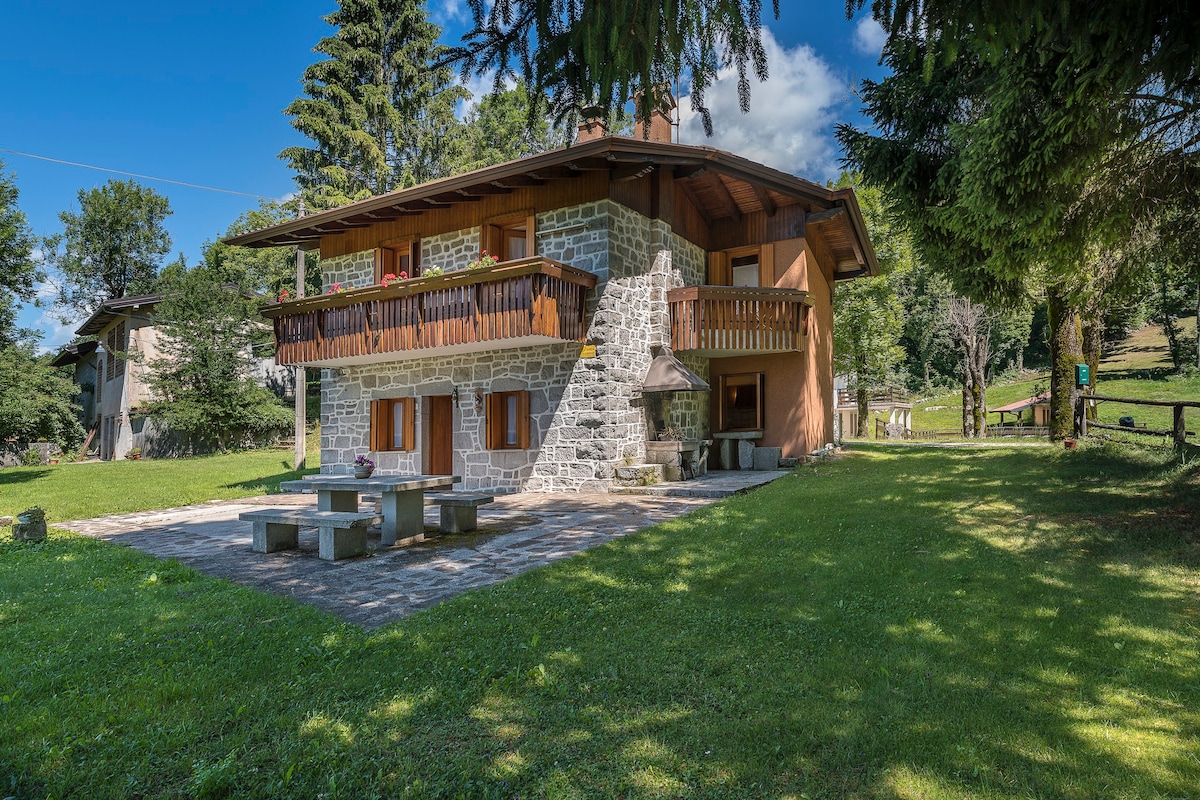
(599, 54)
(201, 385)
(380, 114)
(18, 272)
(112, 247)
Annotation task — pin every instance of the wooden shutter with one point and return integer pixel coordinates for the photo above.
(523, 420)
(491, 415)
(379, 426)
(409, 415)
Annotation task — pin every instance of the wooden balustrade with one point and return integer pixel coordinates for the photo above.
(724, 319)
(886, 394)
(532, 297)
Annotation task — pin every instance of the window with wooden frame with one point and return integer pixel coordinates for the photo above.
(394, 424)
(397, 257)
(114, 364)
(743, 266)
(741, 402)
(510, 238)
(507, 420)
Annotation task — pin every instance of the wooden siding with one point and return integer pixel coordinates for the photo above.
(723, 319)
(529, 297)
(587, 187)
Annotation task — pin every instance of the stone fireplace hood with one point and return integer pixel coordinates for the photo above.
(668, 374)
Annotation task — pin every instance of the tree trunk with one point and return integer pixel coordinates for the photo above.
(862, 397)
(1093, 343)
(1065, 352)
(1198, 324)
(968, 403)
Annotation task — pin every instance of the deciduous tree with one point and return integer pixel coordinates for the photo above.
(111, 247)
(18, 271)
(36, 400)
(201, 385)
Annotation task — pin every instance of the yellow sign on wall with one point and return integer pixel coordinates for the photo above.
(587, 351)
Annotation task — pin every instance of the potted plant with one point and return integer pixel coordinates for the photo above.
(134, 453)
(484, 261)
(363, 467)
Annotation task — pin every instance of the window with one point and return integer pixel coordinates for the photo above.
(742, 266)
(507, 421)
(745, 270)
(510, 238)
(393, 424)
(741, 406)
(404, 256)
(114, 364)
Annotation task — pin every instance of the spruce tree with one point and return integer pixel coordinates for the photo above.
(378, 111)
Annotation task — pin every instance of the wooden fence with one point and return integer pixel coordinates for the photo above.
(1178, 431)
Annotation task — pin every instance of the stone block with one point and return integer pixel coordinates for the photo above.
(745, 454)
(767, 458)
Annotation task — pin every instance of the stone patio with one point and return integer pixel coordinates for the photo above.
(517, 532)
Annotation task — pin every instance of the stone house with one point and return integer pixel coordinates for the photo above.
(531, 374)
(113, 372)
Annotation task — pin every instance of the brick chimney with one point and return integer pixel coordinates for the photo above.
(592, 127)
(660, 127)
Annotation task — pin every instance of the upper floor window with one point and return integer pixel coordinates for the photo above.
(742, 266)
(510, 238)
(397, 258)
(114, 364)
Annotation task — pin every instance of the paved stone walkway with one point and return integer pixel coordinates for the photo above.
(517, 533)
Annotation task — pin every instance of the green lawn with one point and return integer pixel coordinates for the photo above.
(93, 489)
(902, 623)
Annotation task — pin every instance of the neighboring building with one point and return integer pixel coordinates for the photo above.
(1030, 411)
(528, 375)
(892, 400)
(113, 375)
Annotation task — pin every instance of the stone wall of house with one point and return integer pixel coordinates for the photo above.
(587, 413)
(355, 270)
(450, 251)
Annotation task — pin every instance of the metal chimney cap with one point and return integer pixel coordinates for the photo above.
(668, 374)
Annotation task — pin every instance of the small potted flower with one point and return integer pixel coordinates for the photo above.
(484, 261)
(134, 453)
(363, 467)
(392, 278)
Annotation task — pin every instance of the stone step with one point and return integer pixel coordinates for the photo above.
(639, 475)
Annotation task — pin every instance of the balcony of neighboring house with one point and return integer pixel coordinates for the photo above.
(518, 303)
(720, 321)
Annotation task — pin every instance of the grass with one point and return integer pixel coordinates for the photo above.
(903, 623)
(93, 489)
(1138, 368)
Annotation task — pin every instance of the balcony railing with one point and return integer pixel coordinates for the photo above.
(727, 320)
(883, 394)
(514, 303)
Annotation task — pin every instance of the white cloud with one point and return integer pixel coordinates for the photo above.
(55, 333)
(790, 123)
(450, 11)
(479, 86)
(869, 36)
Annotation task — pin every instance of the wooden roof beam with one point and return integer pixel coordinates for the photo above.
(764, 197)
(552, 173)
(723, 196)
(484, 190)
(824, 216)
(517, 182)
(690, 194)
(630, 172)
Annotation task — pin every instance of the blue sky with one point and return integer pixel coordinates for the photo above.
(194, 92)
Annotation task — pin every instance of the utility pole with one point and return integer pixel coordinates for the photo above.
(301, 376)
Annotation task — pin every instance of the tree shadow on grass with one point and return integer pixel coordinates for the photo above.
(894, 642)
(14, 476)
(269, 484)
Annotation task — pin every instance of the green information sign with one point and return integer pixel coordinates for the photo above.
(1083, 375)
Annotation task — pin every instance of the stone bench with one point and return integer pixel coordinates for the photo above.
(340, 534)
(460, 510)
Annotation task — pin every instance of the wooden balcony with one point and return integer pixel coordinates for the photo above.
(513, 304)
(718, 321)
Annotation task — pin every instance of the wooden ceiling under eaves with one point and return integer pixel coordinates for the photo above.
(723, 191)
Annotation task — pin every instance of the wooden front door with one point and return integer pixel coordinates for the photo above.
(439, 449)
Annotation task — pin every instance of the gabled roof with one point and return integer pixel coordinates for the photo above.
(720, 184)
(110, 310)
(73, 352)
(1021, 405)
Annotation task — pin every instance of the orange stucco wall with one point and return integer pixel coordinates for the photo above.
(798, 387)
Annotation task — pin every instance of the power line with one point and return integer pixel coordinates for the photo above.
(132, 174)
